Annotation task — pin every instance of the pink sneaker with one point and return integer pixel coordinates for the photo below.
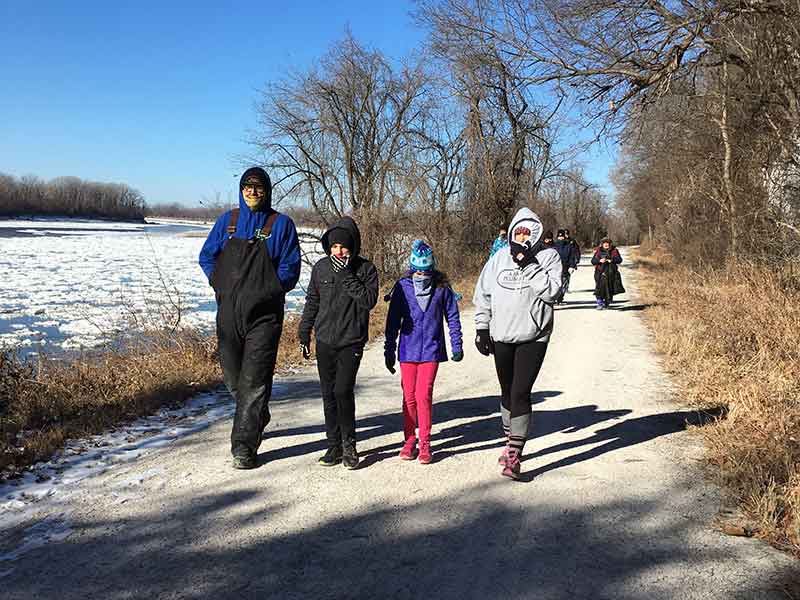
(512, 467)
(407, 453)
(503, 457)
(424, 453)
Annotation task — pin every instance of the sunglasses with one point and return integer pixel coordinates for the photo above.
(254, 188)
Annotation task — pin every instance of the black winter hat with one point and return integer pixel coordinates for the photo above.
(560, 232)
(262, 177)
(338, 235)
(548, 235)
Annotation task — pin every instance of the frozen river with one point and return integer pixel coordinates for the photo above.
(68, 284)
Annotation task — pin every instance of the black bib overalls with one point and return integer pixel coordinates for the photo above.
(249, 325)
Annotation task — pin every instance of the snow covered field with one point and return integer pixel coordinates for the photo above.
(67, 284)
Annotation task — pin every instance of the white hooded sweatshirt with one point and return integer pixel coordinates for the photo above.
(516, 305)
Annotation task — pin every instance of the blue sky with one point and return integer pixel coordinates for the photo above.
(159, 95)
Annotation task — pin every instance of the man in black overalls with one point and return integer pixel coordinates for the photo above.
(252, 258)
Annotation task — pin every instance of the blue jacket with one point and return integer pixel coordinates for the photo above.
(569, 253)
(283, 245)
(422, 333)
(499, 243)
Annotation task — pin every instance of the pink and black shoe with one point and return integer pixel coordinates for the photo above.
(512, 467)
(503, 457)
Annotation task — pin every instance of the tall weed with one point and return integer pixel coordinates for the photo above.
(731, 337)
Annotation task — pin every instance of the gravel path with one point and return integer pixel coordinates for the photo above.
(613, 504)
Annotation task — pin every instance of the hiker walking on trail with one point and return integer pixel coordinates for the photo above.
(501, 241)
(252, 259)
(607, 278)
(420, 302)
(342, 292)
(570, 255)
(514, 319)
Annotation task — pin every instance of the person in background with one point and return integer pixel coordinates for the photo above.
(420, 302)
(547, 238)
(252, 259)
(514, 319)
(576, 249)
(567, 251)
(341, 293)
(607, 278)
(501, 241)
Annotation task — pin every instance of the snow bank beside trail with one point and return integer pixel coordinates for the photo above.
(47, 487)
(57, 479)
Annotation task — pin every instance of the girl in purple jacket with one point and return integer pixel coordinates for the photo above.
(420, 301)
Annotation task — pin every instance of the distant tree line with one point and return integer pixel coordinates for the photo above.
(69, 197)
(176, 210)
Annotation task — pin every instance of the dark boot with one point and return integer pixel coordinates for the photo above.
(349, 455)
(244, 459)
(331, 457)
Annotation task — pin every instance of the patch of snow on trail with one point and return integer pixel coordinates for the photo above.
(47, 486)
(58, 478)
(50, 529)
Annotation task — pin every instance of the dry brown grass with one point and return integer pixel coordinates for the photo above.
(43, 404)
(731, 338)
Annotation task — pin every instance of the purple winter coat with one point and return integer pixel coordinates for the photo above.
(422, 333)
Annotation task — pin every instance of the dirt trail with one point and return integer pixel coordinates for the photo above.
(613, 504)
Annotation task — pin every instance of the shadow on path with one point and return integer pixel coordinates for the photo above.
(246, 544)
(620, 435)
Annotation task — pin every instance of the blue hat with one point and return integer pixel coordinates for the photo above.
(421, 257)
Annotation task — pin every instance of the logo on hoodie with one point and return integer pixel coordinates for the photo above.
(511, 279)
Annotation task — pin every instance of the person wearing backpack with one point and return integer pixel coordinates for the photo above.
(252, 259)
(341, 293)
(419, 304)
(513, 301)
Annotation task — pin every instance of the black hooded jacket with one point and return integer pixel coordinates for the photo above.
(338, 304)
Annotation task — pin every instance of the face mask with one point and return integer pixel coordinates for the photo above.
(252, 203)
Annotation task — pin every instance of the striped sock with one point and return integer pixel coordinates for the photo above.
(516, 444)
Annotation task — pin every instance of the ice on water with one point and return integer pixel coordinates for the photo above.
(71, 284)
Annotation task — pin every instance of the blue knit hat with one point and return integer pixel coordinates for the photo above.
(421, 257)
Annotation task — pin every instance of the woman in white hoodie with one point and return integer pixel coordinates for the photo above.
(513, 301)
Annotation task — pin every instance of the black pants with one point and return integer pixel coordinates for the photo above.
(249, 325)
(517, 367)
(248, 365)
(603, 288)
(338, 368)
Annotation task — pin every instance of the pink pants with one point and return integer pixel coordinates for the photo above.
(417, 381)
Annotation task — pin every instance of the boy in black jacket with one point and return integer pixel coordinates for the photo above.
(342, 291)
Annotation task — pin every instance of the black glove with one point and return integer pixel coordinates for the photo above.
(390, 360)
(483, 342)
(306, 350)
(528, 252)
(457, 356)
